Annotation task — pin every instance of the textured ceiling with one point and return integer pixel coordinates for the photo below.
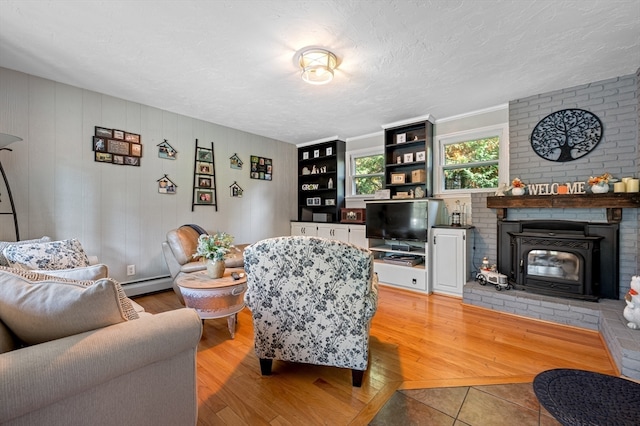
(231, 62)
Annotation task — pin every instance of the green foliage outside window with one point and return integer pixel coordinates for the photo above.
(472, 164)
(368, 174)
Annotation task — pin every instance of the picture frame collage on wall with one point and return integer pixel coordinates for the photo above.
(261, 168)
(204, 171)
(116, 147)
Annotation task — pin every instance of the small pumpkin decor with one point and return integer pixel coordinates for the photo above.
(517, 187)
(213, 248)
(600, 184)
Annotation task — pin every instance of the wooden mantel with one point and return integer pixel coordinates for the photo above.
(613, 202)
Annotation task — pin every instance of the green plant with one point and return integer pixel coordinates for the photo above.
(213, 247)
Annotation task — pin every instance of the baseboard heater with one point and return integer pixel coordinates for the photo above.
(147, 285)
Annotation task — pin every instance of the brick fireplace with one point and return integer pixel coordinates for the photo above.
(616, 102)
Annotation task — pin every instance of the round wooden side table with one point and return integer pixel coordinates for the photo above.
(215, 297)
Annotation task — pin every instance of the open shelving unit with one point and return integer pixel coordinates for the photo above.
(408, 153)
(321, 176)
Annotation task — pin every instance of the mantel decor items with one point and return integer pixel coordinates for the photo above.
(116, 147)
(566, 135)
(597, 185)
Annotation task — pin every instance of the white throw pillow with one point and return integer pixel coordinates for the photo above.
(88, 273)
(64, 254)
(38, 308)
(4, 244)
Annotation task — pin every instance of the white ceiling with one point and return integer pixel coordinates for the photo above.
(231, 62)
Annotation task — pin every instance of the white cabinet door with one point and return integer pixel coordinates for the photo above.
(334, 232)
(357, 235)
(304, 228)
(449, 251)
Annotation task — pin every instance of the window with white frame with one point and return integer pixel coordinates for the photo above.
(473, 160)
(366, 172)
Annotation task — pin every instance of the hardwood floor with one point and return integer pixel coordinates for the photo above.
(417, 341)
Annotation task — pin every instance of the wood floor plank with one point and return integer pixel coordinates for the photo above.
(417, 341)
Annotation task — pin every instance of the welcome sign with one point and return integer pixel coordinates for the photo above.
(556, 188)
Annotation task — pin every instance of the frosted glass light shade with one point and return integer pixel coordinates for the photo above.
(317, 66)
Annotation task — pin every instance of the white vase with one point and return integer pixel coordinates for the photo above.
(600, 189)
(517, 191)
(215, 268)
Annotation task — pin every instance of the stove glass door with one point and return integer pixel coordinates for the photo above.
(553, 264)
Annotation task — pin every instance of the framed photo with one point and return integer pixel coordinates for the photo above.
(131, 137)
(117, 147)
(316, 153)
(397, 177)
(118, 134)
(118, 159)
(166, 186)
(204, 197)
(401, 138)
(166, 151)
(420, 156)
(104, 157)
(104, 133)
(99, 144)
(330, 202)
(204, 168)
(329, 151)
(235, 162)
(204, 154)
(408, 158)
(314, 201)
(305, 155)
(204, 182)
(136, 150)
(261, 168)
(132, 161)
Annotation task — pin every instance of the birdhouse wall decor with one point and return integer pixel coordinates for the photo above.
(166, 151)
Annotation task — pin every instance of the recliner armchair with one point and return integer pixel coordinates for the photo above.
(312, 300)
(181, 245)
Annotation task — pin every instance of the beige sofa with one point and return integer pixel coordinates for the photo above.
(140, 370)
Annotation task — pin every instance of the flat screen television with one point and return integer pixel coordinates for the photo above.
(404, 221)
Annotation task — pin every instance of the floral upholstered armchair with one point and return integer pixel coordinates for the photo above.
(312, 301)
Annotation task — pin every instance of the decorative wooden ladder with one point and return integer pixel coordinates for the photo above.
(204, 178)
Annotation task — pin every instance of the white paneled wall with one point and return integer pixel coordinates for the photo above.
(116, 211)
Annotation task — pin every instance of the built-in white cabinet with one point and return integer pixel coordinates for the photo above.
(349, 233)
(451, 262)
(304, 228)
(333, 231)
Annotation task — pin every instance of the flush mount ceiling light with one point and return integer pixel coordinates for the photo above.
(317, 65)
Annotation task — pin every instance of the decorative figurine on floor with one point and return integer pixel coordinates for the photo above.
(632, 298)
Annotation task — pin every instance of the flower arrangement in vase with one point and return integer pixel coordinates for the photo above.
(213, 248)
(517, 187)
(600, 184)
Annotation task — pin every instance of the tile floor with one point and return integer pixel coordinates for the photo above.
(488, 405)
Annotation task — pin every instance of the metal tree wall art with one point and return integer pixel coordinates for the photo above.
(566, 135)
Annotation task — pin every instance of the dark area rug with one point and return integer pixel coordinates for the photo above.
(577, 397)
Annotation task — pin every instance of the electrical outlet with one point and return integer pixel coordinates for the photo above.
(131, 270)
